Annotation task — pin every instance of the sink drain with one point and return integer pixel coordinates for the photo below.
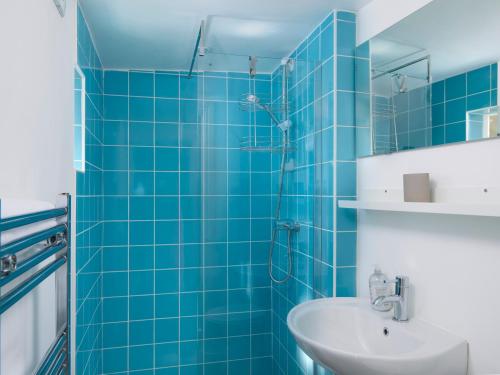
(386, 331)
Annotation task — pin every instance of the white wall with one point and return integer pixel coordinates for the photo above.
(36, 99)
(379, 15)
(38, 53)
(453, 262)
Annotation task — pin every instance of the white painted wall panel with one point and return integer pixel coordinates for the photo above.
(38, 52)
(453, 261)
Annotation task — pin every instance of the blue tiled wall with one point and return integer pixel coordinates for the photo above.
(454, 96)
(322, 95)
(186, 226)
(89, 213)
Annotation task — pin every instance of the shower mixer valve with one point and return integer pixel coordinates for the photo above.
(288, 225)
(285, 125)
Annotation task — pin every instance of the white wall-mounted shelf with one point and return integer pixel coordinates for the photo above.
(468, 209)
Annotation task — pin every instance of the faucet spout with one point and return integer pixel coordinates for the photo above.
(387, 299)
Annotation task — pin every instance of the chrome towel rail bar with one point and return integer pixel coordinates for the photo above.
(49, 249)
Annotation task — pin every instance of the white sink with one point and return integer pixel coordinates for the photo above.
(348, 337)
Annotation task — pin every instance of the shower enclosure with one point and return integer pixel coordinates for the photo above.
(255, 146)
(200, 187)
(213, 185)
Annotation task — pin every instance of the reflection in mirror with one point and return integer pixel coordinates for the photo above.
(426, 87)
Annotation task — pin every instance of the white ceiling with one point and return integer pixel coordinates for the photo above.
(460, 35)
(161, 34)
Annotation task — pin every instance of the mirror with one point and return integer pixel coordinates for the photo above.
(430, 80)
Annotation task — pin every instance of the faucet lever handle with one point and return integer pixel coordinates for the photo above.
(402, 284)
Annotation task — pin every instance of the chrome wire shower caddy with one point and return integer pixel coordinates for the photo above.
(37, 256)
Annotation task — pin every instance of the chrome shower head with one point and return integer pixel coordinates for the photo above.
(252, 102)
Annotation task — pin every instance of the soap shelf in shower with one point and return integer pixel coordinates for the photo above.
(448, 208)
(263, 144)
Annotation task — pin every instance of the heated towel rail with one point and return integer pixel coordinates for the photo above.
(37, 256)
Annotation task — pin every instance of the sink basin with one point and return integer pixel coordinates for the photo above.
(348, 337)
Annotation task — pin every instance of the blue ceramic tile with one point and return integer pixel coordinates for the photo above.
(140, 357)
(191, 111)
(455, 87)
(190, 87)
(141, 158)
(141, 109)
(141, 332)
(115, 82)
(345, 108)
(115, 259)
(114, 335)
(141, 232)
(166, 305)
(438, 115)
(346, 282)
(115, 233)
(167, 256)
(141, 84)
(190, 353)
(141, 133)
(191, 231)
(346, 38)
(363, 51)
(141, 257)
(167, 281)
(167, 208)
(115, 208)
(141, 282)
(455, 132)
(346, 143)
(326, 38)
(166, 85)
(362, 75)
(141, 307)
(167, 232)
(167, 159)
(438, 89)
(115, 133)
(167, 330)
(239, 348)
(346, 16)
(437, 135)
(167, 183)
(167, 135)
(114, 360)
(191, 303)
(455, 110)
(215, 89)
(167, 110)
(479, 80)
(115, 284)
(346, 249)
(115, 107)
(345, 73)
(190, 135)
(478, 101)
(141, 208)
(115, 309)
(237, 88)
(141, 183)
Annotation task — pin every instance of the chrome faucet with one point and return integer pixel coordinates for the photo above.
(399, 300)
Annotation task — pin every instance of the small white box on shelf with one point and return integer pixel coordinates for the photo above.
(417, 187)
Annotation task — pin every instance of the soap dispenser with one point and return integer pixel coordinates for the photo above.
(379, 287)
